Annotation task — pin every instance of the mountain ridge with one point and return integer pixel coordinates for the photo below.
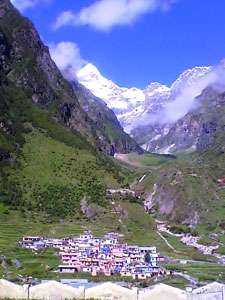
(53, 153)
(132, 105)
(53, 140)
(27, 63)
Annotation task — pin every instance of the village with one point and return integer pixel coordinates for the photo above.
(107, 256)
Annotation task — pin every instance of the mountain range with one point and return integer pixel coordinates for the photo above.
(150, 115)
(59, 174)
(130, 104)
(186, 119)
(57, 138)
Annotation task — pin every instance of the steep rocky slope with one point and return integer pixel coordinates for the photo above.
(187, 190)
(52, 145)
(110, 133)
(27, 63)
(54, 135)
(197, 130)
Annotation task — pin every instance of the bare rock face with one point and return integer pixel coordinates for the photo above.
(165, 195)
(4, 264)
(90, 210)
(94, 210)
(83, 205)
(197, 130)
(2, 13)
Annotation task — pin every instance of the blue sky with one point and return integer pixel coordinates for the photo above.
(132, 42)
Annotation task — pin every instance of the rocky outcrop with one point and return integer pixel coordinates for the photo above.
(90, 210)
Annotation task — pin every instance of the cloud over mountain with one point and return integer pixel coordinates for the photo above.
(156, 104)
(106, 14)
(67, 57)
(186, 100)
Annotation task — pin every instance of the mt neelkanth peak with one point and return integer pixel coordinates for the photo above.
(133, 105)
(119, 99)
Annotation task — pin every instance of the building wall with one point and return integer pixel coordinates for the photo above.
(11, 290)
(209, 296)
(54, 290)
(213, 291)
(162, 292)
(109, 290)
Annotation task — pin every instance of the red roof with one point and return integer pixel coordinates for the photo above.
(222, 180)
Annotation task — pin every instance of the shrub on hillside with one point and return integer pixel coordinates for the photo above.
(179, 229)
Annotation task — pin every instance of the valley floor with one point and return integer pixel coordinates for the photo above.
(41, 264)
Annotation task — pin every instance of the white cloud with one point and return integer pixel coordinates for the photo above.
(65, 18)
(22, 5)
(67, 57)
(105, 14)
(186, 101)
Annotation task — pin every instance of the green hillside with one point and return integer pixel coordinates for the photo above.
(41, 161)
(55, 169)
(186, 190)
(52, 152)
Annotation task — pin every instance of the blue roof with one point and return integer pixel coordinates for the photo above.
(86, 285)
(106, 249)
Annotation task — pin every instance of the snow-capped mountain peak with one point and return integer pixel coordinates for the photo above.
(190, 77)
(101, 87)
(131, 105)
(89, 70)
(118, 98)
(155, 88)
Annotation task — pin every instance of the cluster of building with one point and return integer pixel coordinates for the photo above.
(38, 242)
(87, 253)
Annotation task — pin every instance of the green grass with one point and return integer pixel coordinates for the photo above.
(52, 176)
(13, 227)
(175, 281)
(187, 251)
(51, 168)
(191, 188)
(148, 159)
(203, 272)
(205, 241)
(137, 231)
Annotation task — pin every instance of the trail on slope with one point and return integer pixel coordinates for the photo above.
(168, 244)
